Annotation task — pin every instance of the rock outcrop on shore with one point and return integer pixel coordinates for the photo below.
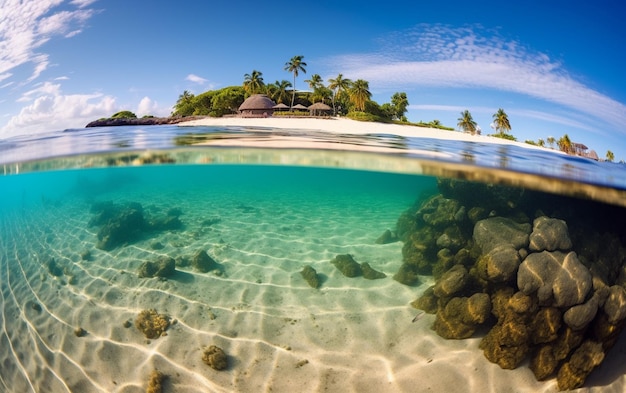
(543, 275)
(143, 121)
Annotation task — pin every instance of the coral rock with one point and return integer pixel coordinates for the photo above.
(556, 277)
(387, 237)
(202, 262)
(492, 232)
(310, 275)
(155, 383)
(215, 358)
(347, 265)
(151, 323)
(578, 317)
(500, 263)
(163, 267)
(543, 363)
(549, 234)
(452, 281)
(615, 304)
(371, 274)
(462, 315)
(427, 302)
(573, 373)
(545, 325)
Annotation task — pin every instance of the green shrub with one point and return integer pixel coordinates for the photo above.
(124, 115)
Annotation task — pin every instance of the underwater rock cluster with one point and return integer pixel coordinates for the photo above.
(531, 268)
(346, 264)
(121, 224)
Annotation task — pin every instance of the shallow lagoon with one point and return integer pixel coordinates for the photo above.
(261, 215)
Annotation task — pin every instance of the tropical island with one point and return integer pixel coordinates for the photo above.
(340, 97)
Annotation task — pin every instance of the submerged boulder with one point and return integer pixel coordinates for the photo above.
(202, 262)
(164, 266)
(497, 231)
(310, 276)
(557, 278)
(346, 264)
(549, 234)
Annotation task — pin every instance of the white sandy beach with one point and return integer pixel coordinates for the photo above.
(340, 125)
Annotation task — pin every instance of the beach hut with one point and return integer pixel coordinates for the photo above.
(257, 105)
(319, 108)
(281, 107)
(299, 107)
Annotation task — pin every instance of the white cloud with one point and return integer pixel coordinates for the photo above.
(147, 106)
(27, 25)
(82, 3)
(196, 79)
(62, 78)
(439, 56)
(50, 109)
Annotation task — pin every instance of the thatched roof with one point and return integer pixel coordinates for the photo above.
(257, 101)
(320, 106)
(299, 106)
(280, 106)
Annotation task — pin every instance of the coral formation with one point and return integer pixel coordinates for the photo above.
(310, 276)
(164, 266)
(215, 358)
(346, 264)
(152, 324)
(528, 266)
(125, 223)
(155, 382)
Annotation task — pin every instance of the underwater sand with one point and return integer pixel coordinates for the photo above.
(262, 225)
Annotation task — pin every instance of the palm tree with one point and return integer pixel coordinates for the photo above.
(338, 85)
(295, 65)
(565, 144)
(279, 93)
(359, 94)
(315, 82)
(466, 123)
(541, 142)
(185, 97)
(501, 122)
(551, 141)
(610, 156)
(399, 101)
(253, 83)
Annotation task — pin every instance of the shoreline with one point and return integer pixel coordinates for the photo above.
(339, 125)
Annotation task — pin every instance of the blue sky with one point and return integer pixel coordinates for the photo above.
(555, 67)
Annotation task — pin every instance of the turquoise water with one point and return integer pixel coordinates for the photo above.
(85, 216)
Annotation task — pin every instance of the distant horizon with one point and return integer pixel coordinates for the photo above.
(65, 63)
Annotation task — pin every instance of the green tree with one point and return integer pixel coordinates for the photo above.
(227, 101)
(124, 115)
(253, 83)
(359, 94)
(339, 86)
(466, 122)
(610, 156)
(501, 122)
(321, 93)
(399, 102)
(551, 141)
(295, 65)
(565, 144)
(184, 105)
(315, 82)
(279, 91)
(541, 142)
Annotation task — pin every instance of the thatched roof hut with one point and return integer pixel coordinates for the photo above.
(299, 107)
(257, 105)
(319, 108)
(281, 107)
